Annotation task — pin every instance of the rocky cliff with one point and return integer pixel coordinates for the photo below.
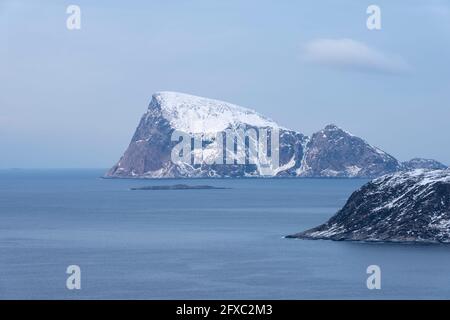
(411, 206)
(331, 152)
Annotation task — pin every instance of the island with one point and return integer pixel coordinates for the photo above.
(411, 207)
(331, 152)
(178, 187)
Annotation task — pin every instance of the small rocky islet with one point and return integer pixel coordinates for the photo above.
(178, 187)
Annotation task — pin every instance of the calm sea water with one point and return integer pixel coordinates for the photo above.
(194, 244)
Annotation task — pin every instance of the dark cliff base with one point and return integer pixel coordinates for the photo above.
(370, 241)
(406, 207)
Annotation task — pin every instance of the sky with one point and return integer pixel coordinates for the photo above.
(73, 98)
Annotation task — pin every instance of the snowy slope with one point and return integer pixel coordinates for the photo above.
(411, 206)
(194, 114)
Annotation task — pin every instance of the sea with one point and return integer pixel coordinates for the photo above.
(194, 244)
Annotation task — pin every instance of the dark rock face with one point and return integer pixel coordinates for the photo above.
(292, 151)
(149, 149)
(411, 206)
(420, 163)
(149, 152)
(331, 152)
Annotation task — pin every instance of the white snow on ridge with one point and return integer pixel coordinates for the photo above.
(194, 114)
(417, 182)
(418, 176)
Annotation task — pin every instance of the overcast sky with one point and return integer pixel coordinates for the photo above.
(74, 98)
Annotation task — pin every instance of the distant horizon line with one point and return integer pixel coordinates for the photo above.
(53, 168)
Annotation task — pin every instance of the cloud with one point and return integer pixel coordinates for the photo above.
(348, 54)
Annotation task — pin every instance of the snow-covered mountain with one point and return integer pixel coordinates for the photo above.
(334, 152)
(149, 152)
(194, 114)
(331, 152)
(412, 206)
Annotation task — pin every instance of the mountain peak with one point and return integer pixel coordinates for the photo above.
(196, 114)
(422, 163)
(332, 127)
(334, 152)
(330, 152)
